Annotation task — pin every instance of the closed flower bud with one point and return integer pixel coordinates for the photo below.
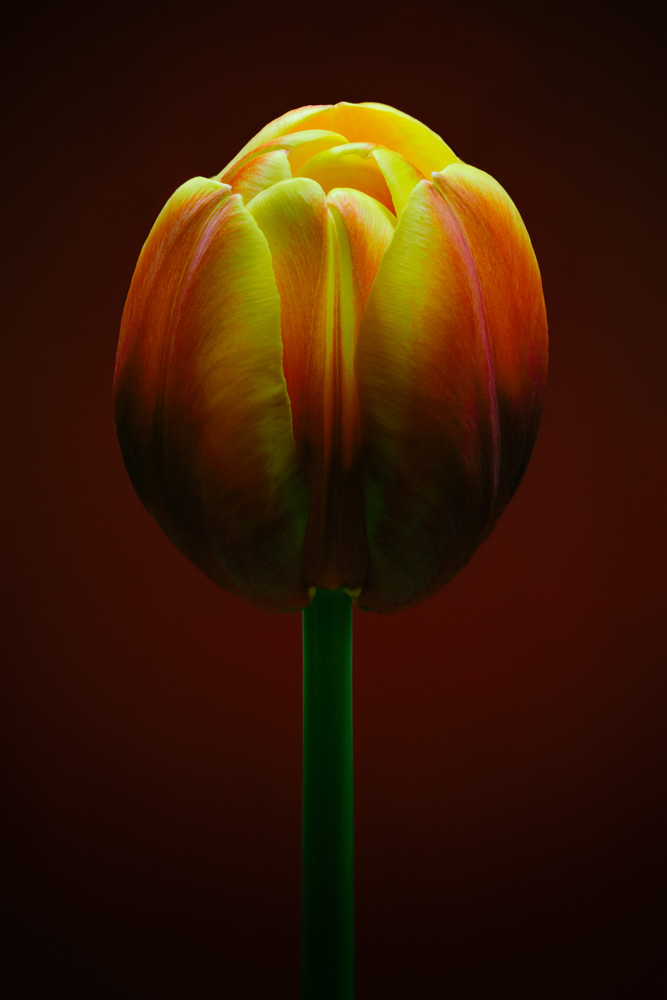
(332, 360)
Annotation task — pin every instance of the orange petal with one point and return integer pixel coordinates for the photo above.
(428, 408)
(260, 173)
(201, 401)
(142, 344)
(511, 286)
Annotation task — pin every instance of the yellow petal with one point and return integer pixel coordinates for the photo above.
(428, 408)
(394, 129)
(349, 166)
(365, 229)
(294, 218)
(293, 121)
(299, 146)
(215, 428)
(511, 286)
(400, 176)
(367, 122)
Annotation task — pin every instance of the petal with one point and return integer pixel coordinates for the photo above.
(366, 122)
(428, 408)
(292, 121)
(143, 344)
(324, 261)
(294, 218)
(399, 174)
(214, 426)
(364, 229)
(514, 305)
(394, 129)
(301, 234)
(299, 146)
(350, 166)
(260, 173)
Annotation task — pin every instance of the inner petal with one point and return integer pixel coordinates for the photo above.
(349, 166)
(364, 229)
(299, 146)
(325, 254)
(400, 175)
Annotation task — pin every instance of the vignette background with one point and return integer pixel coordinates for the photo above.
(510, 732)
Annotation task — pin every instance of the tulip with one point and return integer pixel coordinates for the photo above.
(332, 361)
(328, 385)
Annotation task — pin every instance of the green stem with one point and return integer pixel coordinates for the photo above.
(327, 866)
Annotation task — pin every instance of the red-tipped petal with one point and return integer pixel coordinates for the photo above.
(511, 286)
(261, 173)
(202, 410)
(428, 405)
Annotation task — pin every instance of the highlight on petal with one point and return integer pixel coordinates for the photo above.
(511, 287)
(204, 422)
(428, 408)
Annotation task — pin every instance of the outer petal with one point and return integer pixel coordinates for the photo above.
(143, 344)
(202, 410)
(514, 306)
(428, 408)
(325, 261)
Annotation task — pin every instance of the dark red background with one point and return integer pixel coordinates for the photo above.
(510, 732)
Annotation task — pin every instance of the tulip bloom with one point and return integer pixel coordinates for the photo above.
(332, 361)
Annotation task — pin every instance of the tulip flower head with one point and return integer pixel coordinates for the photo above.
(332, 361)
